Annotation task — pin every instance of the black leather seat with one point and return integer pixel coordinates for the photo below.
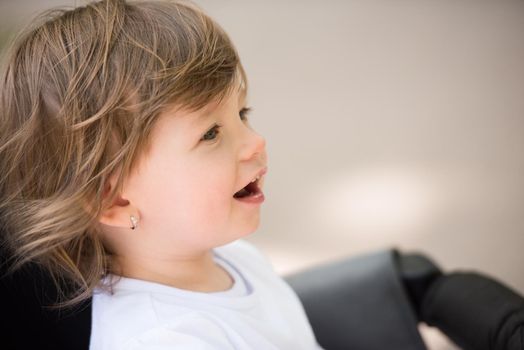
(375, 301)
(362, 302)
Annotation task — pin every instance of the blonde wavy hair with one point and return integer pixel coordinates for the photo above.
(80, 91)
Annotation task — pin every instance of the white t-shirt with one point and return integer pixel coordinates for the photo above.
(260, 311)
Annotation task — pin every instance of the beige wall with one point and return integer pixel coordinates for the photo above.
(389, 123)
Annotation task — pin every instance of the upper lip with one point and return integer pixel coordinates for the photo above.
(259, 173)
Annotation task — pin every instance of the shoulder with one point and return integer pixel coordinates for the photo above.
(193, 331)
(121, 308)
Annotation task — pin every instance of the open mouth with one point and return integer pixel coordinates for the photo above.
(251, 189)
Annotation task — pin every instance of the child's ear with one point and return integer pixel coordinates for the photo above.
(119, 212)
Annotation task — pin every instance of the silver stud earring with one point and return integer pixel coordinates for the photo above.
(134, 222)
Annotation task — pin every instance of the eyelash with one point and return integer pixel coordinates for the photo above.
(243, 114)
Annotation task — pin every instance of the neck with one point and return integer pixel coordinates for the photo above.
(196, 273)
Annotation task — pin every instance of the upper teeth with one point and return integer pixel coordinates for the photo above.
(256, 178)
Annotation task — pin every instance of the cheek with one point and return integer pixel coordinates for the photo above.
(195, 191)
(215, 190)
(213, 179)
(193, 194)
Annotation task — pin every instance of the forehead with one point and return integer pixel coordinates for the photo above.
(238, 94)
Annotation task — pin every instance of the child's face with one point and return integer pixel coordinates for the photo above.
(183, 190)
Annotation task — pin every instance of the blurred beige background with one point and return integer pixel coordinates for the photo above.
(389, 124)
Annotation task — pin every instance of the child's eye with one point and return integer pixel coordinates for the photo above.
(244, 112)
(211, 134)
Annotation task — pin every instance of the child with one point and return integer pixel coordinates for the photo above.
(130, 170)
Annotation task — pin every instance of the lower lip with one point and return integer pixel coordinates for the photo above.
(256, 198)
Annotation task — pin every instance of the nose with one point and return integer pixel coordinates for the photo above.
(254, 145)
